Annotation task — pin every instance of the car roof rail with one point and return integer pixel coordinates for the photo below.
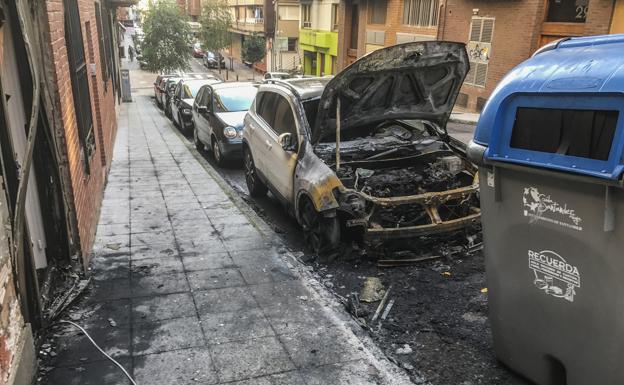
(281, 82)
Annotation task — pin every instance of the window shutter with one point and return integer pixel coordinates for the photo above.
(487, 30)
(479, 49)
(475, 30)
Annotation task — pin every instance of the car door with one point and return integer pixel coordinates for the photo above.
(196, 104)
(204, 116)
(258, 127)
(175, 102)
(279, 163)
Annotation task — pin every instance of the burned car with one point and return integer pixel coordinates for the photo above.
(366, 152)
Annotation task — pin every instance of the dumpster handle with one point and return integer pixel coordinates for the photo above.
(609, 210)
(497, 187)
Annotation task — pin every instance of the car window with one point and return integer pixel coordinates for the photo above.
(266, 106)
(311, 109)
(206, 97)
(198, 98)
(190, 90)
(234, 99)
(284, 117)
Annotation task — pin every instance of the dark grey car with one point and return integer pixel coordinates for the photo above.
(218, 114)
(182, 101)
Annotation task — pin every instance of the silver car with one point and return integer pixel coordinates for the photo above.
(366, 154)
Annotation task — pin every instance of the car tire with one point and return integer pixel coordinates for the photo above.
(321, 234)
(256, 187)
(216, 153)
(199, 146)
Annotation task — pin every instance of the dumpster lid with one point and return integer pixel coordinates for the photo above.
(561, 109)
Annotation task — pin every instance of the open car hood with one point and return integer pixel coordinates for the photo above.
(406, 81)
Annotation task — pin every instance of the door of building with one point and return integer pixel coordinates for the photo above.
(564, 18)
(617, 22)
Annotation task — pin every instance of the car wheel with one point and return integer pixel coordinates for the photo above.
(321, 234)
(198, 143)
(255, 186)
(216, 153)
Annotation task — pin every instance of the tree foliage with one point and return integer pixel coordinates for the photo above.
(254, 49)
(215, 21)
(167, 38)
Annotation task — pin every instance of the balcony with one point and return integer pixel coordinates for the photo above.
(319, 39)
(248, 25)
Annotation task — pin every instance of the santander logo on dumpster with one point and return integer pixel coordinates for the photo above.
(541, 207)
(554, 275)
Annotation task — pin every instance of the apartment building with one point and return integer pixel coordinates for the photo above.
(58, 115)
(247, 19)
(318, 36)
(283, 36)
(371, 24)
(499, 34)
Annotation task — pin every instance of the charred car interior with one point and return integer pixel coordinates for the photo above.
(404, 178)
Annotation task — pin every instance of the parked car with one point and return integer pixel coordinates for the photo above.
(159, 88)
(218, 114)
(198, 52)
(397, 173)
(182, 101)
(277, 75)
(168, 94)
(211, 59)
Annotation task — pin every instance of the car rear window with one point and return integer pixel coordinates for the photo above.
(572, 132)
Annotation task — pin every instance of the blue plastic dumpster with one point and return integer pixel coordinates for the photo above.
(550, 150)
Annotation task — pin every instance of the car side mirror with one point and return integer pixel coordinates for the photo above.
(285, 141)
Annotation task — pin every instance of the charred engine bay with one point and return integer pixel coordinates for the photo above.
(398, 159)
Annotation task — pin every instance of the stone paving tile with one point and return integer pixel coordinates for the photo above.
(287, 378)
(235, 326)
(348, 373)
(111, 266)
(166, 335)
(156, 266)
(201, 261)
(320, 347)
(152, 251)
(229, 299)
(73, 347)
(159, 284)
(252, 358)
(162, 307)
(90, 373)
(179, 367)
(108, 289)
(215, 279)
(93, 315)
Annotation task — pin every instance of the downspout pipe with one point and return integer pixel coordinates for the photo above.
(26, 162)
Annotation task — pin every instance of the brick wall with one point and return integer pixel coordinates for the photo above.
(87, 187)
(516, 33)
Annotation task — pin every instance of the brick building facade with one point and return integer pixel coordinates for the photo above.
(499, 34)
(58, 112)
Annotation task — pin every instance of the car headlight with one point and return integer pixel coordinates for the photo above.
(186, 111)
(230, 132)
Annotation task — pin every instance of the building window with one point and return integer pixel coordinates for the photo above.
(102, 44)
(258, 15)
(567, 11)
(79, 80)
(292, 44)
(420, 13)
(306, 12)
(355, 27)
(334, 17)
(479, 49)
(377, 11)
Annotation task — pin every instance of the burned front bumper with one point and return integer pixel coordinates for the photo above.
(435, 217)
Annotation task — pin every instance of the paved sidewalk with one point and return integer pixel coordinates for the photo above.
(189, 289)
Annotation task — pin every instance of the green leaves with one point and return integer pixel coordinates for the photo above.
(254, 48)
(216, 20)
(168, 37)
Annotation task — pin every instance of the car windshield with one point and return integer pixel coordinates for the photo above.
(190, 89)
(234, 99)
